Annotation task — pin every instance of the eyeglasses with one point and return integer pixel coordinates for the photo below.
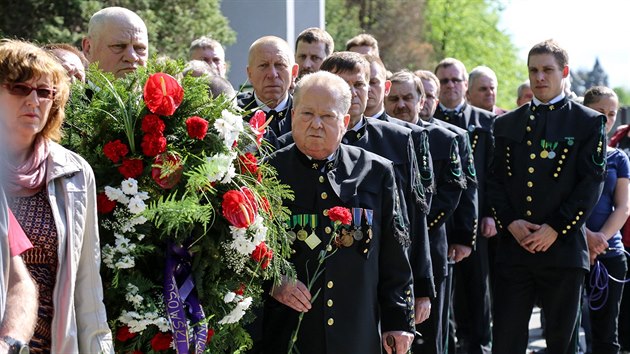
(454, 81)
(21, 89)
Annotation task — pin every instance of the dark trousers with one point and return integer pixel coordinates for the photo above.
(515, 292)
(604, 321)
(471, 300)
(432, 329)
(624, 312)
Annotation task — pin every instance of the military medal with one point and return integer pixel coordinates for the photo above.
(302, 234)
(551, 155)
(346, 238)
(544, 154)
(569, 141)
(312, 241)
(356, 216)
(369, 217)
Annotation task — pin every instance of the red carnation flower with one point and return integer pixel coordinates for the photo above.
(163, 94)
(249, 163)
(124, 335)
(161, 341)
(152, 145)
(167, 170)
(340, 214)
(197, 127)
(262, 255)
(115, 150)
(239, 207)
(131, 168)
(103, 204)
(152, 124)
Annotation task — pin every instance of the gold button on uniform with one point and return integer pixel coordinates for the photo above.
(529, 143)
(532, 156)
(530, 170)
(330, 284)
(324, 195)
(329, 303)
(529, 213)
(530, 184)
(331, 322)
(327, 229)
(529, 198)
(325, 212)
(321, 179)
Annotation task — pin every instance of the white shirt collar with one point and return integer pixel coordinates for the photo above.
(280, 107)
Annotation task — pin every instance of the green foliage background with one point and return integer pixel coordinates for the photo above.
(174, 22)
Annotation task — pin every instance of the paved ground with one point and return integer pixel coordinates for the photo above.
(536, 342)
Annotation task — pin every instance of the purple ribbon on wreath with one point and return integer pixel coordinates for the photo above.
(181, 301)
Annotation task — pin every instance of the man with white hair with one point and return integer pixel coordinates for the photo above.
(117, 40)
(482, 89)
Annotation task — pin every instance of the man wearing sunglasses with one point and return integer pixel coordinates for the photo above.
(117, 40)
(471, 299)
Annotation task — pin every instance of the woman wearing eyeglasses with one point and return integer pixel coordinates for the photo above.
(52, 194)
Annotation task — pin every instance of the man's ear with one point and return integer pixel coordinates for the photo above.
(388, 86)
(294, 70)
(87, 48)
(565, 71)
(346, 120)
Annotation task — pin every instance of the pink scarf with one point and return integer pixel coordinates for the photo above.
(29, 177)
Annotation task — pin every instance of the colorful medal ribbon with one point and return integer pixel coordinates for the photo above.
(177, 298)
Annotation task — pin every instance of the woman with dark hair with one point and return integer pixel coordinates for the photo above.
(51, 191)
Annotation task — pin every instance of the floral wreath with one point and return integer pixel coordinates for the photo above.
(191, 223)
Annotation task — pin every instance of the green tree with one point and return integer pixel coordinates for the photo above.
(342, 22)
(172, 24)
(468, 30)
(624, 96)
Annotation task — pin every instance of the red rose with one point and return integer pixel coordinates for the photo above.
(262, 255)
(197, 127)
(249, 163)
(124, 335)
(258, 125)
(163, 94)
(161, 341)
(131, 168)
(103, 204)
(153, 144)
(167, 170)
(340, 214)
(152, 124)
(239, 207)
(210, 335)
(115, 150)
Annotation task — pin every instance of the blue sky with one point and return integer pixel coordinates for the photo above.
(591, 29)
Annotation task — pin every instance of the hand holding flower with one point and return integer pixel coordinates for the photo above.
(293, 294)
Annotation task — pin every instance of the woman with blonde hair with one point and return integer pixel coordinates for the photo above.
(52, 193)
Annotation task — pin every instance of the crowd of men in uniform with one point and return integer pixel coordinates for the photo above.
(443, 193)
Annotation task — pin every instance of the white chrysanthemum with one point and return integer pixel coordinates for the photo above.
(229, 297)
(108, 256)
(219, 165)
(259, 229)
(229, 174)
(162, 324)
(129, 226)
(122, 244)
(143, 195)
(243, 245)
(114, 194)
(238, 312)
(229, 126)
(132, 289)
(136, 205)
(129, 186)
(125, 262)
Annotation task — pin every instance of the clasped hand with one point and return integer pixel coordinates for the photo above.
(533, 237)
(293, 294)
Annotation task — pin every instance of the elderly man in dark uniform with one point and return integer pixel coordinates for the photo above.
(471, 298)
(405, 100)
(365, 295)
(546, 177)
(271, 69)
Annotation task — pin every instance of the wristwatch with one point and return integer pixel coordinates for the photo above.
(16, 346)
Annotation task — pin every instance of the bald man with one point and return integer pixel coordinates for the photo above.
(271, 69)
(117, 40)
